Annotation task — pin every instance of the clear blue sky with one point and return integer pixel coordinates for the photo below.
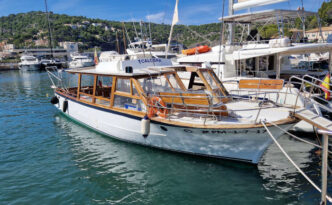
(160, 11)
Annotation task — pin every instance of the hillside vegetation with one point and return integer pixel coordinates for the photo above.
(24, 29)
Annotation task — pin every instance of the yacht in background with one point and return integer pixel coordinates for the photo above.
(44, 63)
(80, 61)
(142, 47)
(29, 63)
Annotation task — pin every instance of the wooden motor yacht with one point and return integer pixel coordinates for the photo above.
(151, 106)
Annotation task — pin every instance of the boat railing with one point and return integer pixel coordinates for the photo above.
(312, 90)
(56, 78)
(206, 106)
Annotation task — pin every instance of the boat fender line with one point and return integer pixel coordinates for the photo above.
(54, 100)
(145, 126)
(157, 106)
(65, 106)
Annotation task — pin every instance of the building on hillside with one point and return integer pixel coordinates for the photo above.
(314, 34)
(41, 42)
(71, 47)
(9, 48)
(96, 24)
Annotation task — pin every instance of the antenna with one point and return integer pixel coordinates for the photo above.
(135, 30)
(49, 29)
(117, 41)
(124, 38)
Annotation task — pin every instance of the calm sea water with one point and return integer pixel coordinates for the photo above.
(46, 158)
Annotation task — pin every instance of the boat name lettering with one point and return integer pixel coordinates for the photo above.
(151, 60)
(231, 132)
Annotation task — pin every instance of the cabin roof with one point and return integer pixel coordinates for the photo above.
(267, 15)
(297, 49)
(138, 73)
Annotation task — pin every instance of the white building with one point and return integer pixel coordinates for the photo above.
(314, 34)
(69, 46)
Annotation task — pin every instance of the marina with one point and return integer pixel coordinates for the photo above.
(61, 161)
(99, 111)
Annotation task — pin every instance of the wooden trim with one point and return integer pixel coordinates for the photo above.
(179, 81)
(94, 89)
(169, 82)
(218, 82)
(223, 126)
(140, 91)
(90, 95)
(113, 91)
(207, 85)
(125, 111)
(131, 87)
(273, 84)
(128, 95)
(79, 85)
(102, 98)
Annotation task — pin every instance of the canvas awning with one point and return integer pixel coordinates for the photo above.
(268, 15)
(283, 51)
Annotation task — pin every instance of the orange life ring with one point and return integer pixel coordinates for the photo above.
(157, 106)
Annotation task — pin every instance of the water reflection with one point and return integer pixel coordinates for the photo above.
(150, 175)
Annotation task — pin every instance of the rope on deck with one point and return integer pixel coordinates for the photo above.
(294, 136)
(298, 168)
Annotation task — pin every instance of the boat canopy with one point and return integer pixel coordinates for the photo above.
(267, 15)
(137, 73)
(283, 51)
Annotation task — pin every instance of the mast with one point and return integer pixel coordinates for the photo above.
(117, 42)
(124, 38)
(231, 25)
(49, 29)
(175, 20)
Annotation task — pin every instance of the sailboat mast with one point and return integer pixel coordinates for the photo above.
(231, 25)
(124, 38)
(49, 29)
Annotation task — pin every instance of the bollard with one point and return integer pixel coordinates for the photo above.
(324, 163)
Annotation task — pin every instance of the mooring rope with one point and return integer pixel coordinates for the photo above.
(302, 140)
(298, 168)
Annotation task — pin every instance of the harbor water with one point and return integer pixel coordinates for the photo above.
(46, 158)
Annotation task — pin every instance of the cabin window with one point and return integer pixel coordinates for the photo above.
(127, 97)
(86, 89)
(103, 90)
(161, 83)
(210, 80)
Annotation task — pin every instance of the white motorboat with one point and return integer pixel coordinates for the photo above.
(80, 61)
(141, 48)
(144, 101)
(29, 63)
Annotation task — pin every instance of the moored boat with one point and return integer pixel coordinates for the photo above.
(200, 119)
(29, 63)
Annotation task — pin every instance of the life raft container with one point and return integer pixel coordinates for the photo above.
(157, 107)
(198, 49)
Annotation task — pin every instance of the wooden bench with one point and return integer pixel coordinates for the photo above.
(273, 84)
(193, 102)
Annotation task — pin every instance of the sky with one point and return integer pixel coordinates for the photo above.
(191, 12)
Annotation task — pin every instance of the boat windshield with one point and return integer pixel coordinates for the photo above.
(163, 83)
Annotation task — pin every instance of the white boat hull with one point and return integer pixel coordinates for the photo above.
(80, 64)
(29, 67)
(246, 145)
